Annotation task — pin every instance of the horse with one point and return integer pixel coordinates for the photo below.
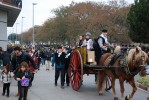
(124, 68)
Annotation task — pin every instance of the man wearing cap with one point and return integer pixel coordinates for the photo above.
(101, 45)
(103, 41)
(88, 41)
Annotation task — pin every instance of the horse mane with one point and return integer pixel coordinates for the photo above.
(136, 54)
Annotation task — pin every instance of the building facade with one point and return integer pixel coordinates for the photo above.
(9, 12)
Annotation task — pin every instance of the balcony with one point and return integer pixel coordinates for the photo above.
(16, 3)
(13, 9)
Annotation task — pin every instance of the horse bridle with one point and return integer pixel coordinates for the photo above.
(143, 61)
(139, 68)
(142, 66)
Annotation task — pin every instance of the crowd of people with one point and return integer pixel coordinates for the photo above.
(22, 64)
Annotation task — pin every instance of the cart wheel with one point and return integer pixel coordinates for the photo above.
(108, 83)
(75, 70)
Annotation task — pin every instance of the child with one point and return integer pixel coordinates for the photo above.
(21, 75)
(6, 79)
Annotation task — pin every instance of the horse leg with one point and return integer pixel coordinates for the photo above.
(121, 81)
(101, 77)
(113, 88)
(132, 83)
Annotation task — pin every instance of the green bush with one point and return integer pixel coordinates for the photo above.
(144, 81)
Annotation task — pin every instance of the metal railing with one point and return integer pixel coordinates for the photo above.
(16, 3)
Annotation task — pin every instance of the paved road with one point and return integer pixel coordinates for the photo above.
(43, 89)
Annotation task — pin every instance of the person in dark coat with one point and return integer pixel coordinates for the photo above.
(81, 39)
(59, 60)
(39, 57)
(6, 58)
(23, 73)
(1, 57)
(67, 62)
(18, 58)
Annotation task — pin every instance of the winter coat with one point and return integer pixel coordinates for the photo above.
(20, 74)
(6, 78)
(59, 60)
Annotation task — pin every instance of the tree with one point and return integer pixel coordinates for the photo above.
(12, 37)
(138, 19)
(78, 18)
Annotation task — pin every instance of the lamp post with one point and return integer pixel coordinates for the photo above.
(16, 31)
(22, 30)
(33, 23)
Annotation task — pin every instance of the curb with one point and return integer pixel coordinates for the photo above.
(142, 87)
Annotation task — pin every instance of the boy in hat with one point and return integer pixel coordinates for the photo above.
(59, 60)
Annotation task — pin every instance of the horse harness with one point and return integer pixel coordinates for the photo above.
(124, 64)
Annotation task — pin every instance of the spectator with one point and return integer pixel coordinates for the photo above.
(52, 56)
(6, 58)
(1, 57)
(59, 60)
(38, 55)
(18, 58)
(67, 62)
(22, 74)
(6, 79)
(48, 59)
(32, 69)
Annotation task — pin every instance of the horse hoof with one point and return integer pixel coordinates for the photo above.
(115, 98)
(126, 98)
(100, 93)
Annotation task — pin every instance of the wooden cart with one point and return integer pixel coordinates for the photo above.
(81, 64)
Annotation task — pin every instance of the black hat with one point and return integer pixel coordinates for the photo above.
(104, 30)
(59, 47)
(17, 48)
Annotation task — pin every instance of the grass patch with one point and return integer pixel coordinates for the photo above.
(144, 81)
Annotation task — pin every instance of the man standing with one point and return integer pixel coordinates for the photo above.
(59, 60)
(18, 58)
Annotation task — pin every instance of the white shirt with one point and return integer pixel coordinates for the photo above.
(88, 43)
(100, 42)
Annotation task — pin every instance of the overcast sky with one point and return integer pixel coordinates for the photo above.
(42, 12)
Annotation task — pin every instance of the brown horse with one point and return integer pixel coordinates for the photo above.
(124, 69)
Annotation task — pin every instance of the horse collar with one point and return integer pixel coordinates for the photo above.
(126, 67)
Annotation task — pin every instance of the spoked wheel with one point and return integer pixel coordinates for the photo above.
(108, 83)
(75, 70)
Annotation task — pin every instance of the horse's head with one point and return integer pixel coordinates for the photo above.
(137, 59)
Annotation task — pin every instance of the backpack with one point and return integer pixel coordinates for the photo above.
(25, 82)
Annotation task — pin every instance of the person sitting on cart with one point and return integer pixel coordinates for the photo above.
(88, 41)
(81, 39)
(101, 45)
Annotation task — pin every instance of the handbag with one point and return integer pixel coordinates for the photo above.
(25, 82)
